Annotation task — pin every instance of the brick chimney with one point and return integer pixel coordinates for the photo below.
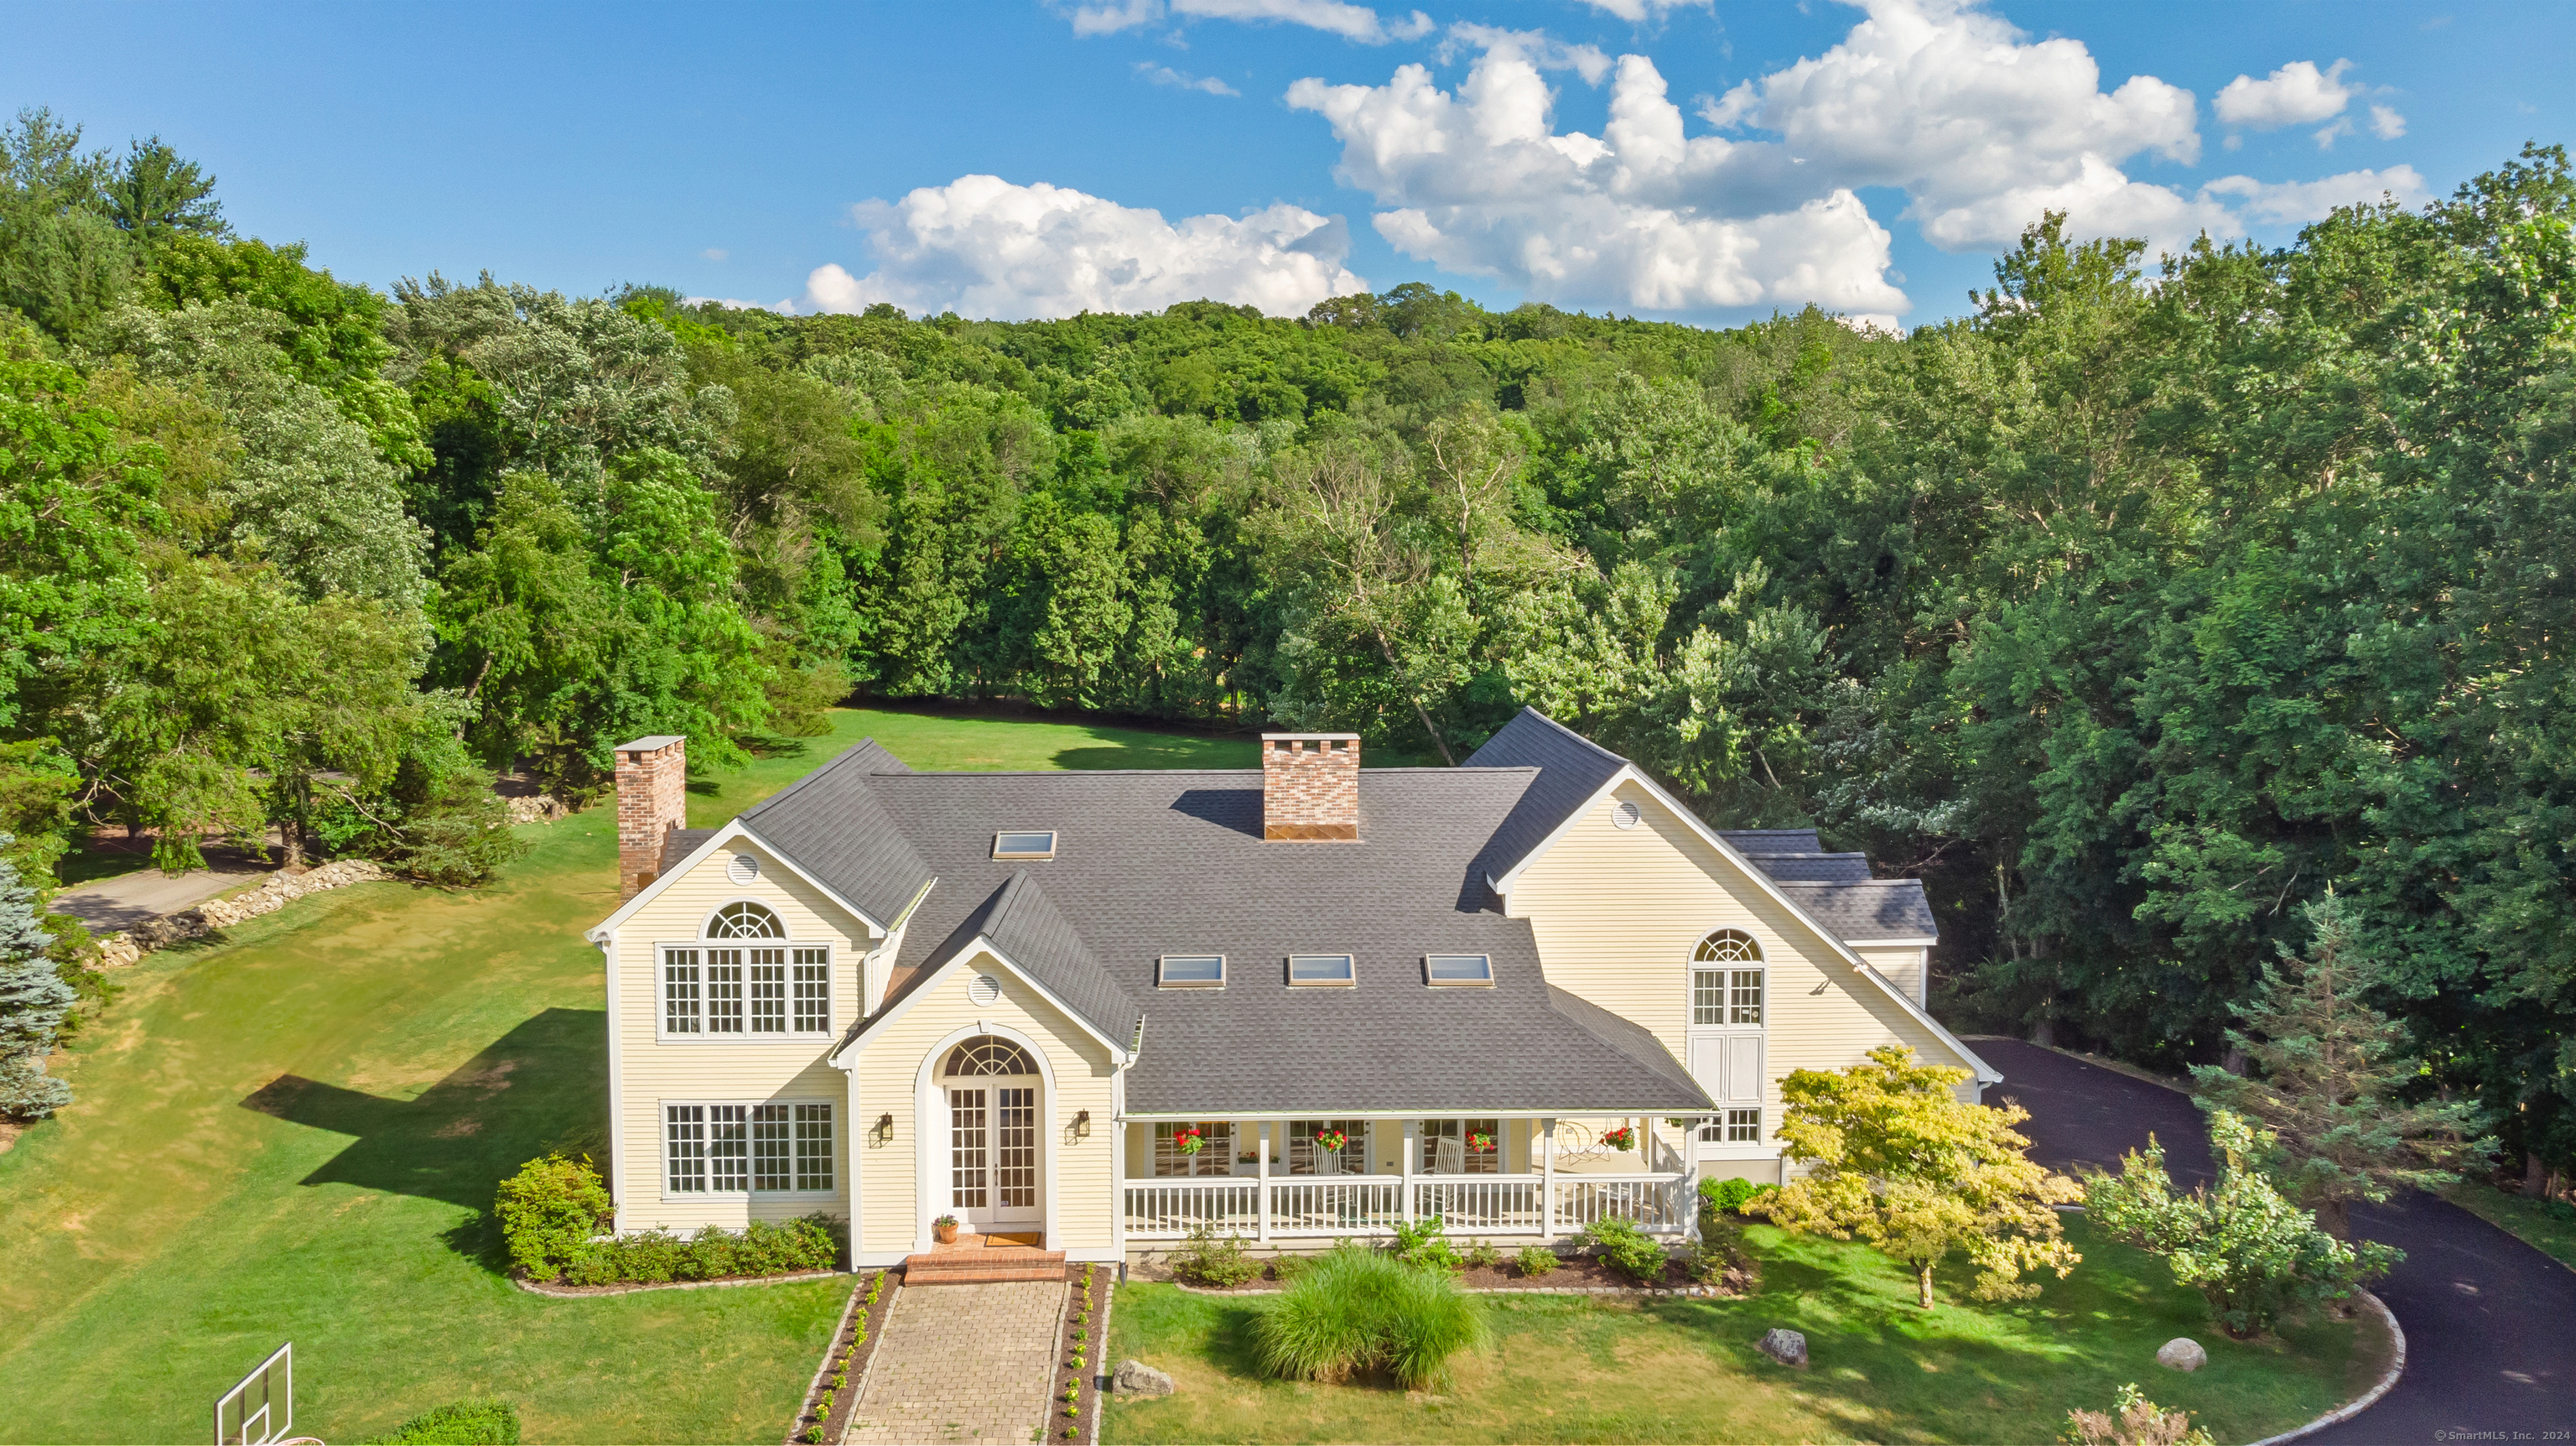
(652, 800)
(1310, 785)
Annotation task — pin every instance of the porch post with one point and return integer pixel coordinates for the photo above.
(1547, 1181)
(1262, 1174)
(1412, 1151)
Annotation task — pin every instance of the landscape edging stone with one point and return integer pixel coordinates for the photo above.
(2367, 1399)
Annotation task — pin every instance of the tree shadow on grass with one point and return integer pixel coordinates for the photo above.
(540, 1087)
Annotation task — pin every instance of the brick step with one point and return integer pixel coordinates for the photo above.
(980, 1267)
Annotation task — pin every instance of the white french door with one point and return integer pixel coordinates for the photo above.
(993, 1155)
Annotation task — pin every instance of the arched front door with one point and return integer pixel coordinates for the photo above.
(992, 1091)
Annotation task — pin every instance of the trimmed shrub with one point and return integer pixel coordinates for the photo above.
(1203, 1259)
(1626, 1248)
(651, 1257)
(1426, 1243)
(1729, 1196)
(549, 1211)
(466, 1423)
(1536, 1260)
(1358, 1311)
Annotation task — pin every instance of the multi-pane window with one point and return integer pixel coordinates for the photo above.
(771, 992)
(1744, 1127)
(812, 981)
(1461, 1147)
(1215, 1154)
(710, 1148)
(1312, 1147)
(679, 991)
(724, 991)
(1726, 979)
(768, 991)
(745, 921)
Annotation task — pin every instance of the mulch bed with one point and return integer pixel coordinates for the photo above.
(1574, 1274)
(826, 1416)
(1086, 1309)
(520, 1279)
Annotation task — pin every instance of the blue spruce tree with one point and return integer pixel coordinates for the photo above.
(33, 1001)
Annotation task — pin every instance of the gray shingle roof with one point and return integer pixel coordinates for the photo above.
(1167, 862)
(1571, 768)
(1752, 841)
(1789, 868)
(831, 823)
(1864, 912)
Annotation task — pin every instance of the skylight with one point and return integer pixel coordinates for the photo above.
(1029, 844)
(1191, 971)
(1458, 971)
(1320, 970)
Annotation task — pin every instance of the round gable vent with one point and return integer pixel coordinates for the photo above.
(1625, 815)
(984, 989)
(743, 869)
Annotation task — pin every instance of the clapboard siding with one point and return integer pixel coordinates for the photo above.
(888, 1076)
(1618, 911)
(651, 1071)
(1903, 967)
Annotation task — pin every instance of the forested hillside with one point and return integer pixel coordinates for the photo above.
(2131, 612)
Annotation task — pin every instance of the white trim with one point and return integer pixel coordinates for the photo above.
(1923, 943)
(733, 829)
(1118, 1054)
(1986, 1074)
(928, 1107)
(746, 1195)
(618, 1180)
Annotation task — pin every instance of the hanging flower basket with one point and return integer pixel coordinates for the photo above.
(1186, 1140)
(1622, 1138)
(1480, 1141)
(1331, 1141)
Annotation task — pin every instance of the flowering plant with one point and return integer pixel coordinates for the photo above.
(1185, 1138)
(1479, 1140)
(1622, 1138)
(1331, 1141)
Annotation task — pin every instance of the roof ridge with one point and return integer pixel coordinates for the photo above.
(844, 756)
(1577, 737)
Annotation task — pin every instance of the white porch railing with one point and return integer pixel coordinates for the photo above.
(1329, 1206)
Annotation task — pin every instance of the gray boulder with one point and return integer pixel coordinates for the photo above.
(1135, 1378)
(1787, 1347)
(2182, 1353)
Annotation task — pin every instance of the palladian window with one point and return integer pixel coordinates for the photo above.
(1726, 979)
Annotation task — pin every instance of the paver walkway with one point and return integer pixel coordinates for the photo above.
(962, 1363)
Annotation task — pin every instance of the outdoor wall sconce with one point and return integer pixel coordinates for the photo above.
(1082, 1125)
(883, 1130)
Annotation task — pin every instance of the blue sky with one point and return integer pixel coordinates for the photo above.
(1870, 160)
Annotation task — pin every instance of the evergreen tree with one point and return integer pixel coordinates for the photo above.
(33, 1001)
(2331, 1070)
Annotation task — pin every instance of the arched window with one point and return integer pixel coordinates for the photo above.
(745, 921)
(985, 1055)
(1726, 979)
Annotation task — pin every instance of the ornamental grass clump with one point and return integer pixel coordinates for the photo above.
(1359, 1311)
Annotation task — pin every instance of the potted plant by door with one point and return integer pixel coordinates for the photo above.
(944, 1229)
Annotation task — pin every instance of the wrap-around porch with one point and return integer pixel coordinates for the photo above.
(1278, 1180)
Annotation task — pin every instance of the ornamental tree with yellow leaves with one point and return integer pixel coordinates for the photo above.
(1895, 1157)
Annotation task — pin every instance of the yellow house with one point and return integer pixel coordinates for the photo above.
(1092, 1011)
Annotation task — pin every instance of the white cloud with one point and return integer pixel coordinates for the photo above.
(714, 253)
(1165, 75)
(1351, 22)
(2326, 136)
(987, 248)
(2386, 123)
(1535, 46)
(2292, 203)
(1640, 11)
(2295, 94)
(1480, 182)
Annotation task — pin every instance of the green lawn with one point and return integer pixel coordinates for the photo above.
(288, 1133)
(1579, 1369)
(2546, 1226)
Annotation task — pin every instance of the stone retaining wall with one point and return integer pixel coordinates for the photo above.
(276, 893)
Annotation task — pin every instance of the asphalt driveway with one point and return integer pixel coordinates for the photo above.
(2490, 1322)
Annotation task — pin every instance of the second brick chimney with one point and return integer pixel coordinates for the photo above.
(652, 800)
(1310, 785)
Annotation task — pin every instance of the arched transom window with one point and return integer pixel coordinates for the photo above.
(986, 1055)
(745, 921)
(1726, 979)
